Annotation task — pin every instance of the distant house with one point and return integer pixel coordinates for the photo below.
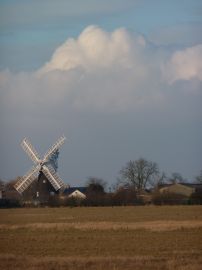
(75, 192)
(185, 189)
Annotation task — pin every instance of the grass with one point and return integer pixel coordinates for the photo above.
(147, 237)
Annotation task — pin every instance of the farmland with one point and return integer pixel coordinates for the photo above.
(143, 237)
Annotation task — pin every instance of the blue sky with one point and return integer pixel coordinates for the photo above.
(121, 79)
(40, 26)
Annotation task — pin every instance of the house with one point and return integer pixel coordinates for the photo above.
(75, 192)
(185, 189)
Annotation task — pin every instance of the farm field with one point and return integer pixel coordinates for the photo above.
(115, 238)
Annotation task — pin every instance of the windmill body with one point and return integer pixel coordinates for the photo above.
(42, 176)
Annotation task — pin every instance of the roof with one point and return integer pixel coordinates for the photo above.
(191, 185)
(164, 185)
(77, 195)
(70, 190)
(197, 187)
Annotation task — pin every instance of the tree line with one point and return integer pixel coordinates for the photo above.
(137, 184)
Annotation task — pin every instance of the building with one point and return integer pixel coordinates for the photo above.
(184, 189)
(75, 192)
(39, 192)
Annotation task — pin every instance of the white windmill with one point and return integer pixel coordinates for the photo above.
(46, 166)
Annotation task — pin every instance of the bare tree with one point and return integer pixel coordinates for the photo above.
(9, 190)
(139, 173)
(9, 185)
(2, 184)
(176, 178)
(158, 180)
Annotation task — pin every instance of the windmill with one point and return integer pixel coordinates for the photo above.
(45, 168)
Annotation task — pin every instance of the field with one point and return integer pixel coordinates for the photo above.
(115, 238)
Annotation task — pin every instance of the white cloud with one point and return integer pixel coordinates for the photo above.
(99, 70)
(94, 49)
(185, 64)
(107, 72)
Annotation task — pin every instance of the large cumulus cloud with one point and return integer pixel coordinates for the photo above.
(103, 71)
(95, 49)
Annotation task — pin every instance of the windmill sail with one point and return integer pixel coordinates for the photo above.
(29, 149)
(54, 179)
(48, 166)
(26, 180)
(54, 148)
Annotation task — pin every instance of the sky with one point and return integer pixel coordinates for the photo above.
(121, 79)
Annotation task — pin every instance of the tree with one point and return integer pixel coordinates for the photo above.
(2, 185)
(139, 173)
(176, 178)
(12, 197)
(95, 192)
(199, 178)
(125, 196)
(168, 198)
(95, 185)
(9, 185)
(158, 180)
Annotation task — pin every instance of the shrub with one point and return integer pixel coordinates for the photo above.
(126, 196)
(169, 198)
(10, 203)
(72, 201)
(196, 197)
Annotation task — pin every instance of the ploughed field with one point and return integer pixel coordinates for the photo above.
(115, 238)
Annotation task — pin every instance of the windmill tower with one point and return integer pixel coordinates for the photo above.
(42, 175)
